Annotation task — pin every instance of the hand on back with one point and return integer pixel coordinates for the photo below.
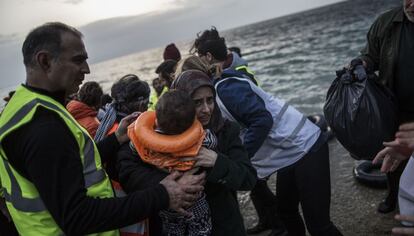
(182, 194)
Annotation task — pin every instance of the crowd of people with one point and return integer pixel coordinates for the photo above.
(170, 161)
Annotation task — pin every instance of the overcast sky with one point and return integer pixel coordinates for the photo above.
(150, 23)
(19, 16)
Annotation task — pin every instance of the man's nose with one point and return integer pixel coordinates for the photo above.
(85, 68)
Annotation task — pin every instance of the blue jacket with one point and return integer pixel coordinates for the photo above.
(275, 134)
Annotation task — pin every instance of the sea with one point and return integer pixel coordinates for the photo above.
(294, 57)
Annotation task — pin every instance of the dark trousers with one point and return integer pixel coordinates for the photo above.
(265, 203)
(393, 181)
(307, 182)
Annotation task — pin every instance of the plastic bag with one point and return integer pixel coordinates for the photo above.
(361, 112)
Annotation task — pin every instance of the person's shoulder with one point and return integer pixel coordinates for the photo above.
(231, 79)
(392, 12)
(232, 73)
(44, 116)
(389, 16)
(385, 21)
(231, 128)
(43, 128)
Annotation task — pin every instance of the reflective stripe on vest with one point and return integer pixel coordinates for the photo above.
(276, 118)
(245, 68)
(247, 72)
(137, 229)
(91, 174)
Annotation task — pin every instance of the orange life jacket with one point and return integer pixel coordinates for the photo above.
(165, 151)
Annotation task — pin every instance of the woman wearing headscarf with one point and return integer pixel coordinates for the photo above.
(130, 94)
(226, 162)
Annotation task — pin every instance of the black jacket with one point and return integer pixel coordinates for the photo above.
(45, 152)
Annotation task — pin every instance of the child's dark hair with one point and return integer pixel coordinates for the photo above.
(210, 41)
(175, 112)
(90, 93)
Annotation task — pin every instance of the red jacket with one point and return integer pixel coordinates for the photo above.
(85, 115)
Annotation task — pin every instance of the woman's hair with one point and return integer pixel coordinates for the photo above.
(166, 68)
(130, 94)
(105, 99)
(90, 93)
(175, 112)
(192, 63)
(210, 41)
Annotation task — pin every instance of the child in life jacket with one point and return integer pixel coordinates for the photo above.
(167, 139)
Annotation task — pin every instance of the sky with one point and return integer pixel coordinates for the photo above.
(73, 12)
(158, 22)
(19, 16)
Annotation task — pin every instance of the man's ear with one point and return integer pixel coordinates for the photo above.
(44, 60)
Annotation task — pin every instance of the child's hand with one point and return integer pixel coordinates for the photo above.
(205, 157)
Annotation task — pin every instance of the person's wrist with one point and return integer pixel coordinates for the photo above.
(120, 138)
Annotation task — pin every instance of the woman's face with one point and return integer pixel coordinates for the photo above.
(204, 101)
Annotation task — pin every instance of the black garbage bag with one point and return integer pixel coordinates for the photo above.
(361, 112)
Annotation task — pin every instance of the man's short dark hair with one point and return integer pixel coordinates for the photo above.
(45, 37)
(175, 112)
(90, 93)
(166, 67)
(210, 41)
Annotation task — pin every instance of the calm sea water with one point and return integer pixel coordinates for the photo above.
(294, 57)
